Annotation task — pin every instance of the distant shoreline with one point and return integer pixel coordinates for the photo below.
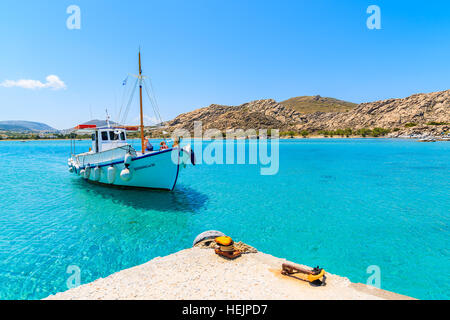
(193, 138)
(284, 137)
(280, 138)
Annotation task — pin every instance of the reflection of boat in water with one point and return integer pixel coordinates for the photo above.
(113, 161)
(182, 199)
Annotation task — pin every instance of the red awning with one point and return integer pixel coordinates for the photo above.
(85, 126)
(93, 126)
(129, 128)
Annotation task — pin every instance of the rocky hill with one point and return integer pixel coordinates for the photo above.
(418, 110)
(25, 126)
(252, 115)
(98, 123)
(311, 104)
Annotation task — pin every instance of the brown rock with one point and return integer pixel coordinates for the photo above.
(268, 114)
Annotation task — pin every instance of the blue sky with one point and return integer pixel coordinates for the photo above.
(200, 52)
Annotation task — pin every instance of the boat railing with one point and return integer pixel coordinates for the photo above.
(105, 156)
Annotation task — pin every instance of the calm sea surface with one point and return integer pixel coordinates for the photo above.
(343, 204)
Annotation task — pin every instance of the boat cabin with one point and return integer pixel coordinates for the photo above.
(108, 138)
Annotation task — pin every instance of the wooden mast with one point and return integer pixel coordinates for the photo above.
(140, 99)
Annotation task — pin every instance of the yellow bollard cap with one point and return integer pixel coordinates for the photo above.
(224, 241)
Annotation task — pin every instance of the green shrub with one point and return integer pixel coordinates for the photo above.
(348, 132)
(364, 132)
(434, 123)
(376, 132)
(288, 133)
(304, 133)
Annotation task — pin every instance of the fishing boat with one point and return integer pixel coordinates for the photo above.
(112, 160)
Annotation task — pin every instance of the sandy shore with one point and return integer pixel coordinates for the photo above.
(198, 273)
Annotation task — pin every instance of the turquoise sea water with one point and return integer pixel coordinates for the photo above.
(343, 204)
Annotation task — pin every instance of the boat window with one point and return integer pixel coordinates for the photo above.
(105, 135)
(93, 137)
(122, 136)
(113, 136)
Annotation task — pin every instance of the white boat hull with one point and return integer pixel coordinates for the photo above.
(156, 170)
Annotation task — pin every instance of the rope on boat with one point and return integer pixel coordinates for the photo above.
(127, 109)
(123, 97)
(153, 100)
(129, 148)
(154, 103)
